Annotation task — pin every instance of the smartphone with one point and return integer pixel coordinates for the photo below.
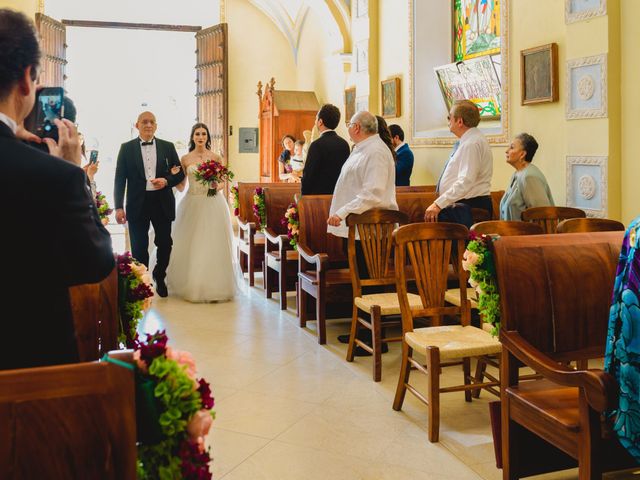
(49, 106)
(93, 157)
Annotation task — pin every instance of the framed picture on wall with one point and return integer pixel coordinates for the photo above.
(587, 184)
(587, 87)
(476, 28)
(539, 74)
(349, 104)
(578, 10)
(391, 98)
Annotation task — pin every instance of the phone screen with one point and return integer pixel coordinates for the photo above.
(49, 106)
(93, 157)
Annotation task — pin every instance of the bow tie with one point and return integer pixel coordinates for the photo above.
(144, 144)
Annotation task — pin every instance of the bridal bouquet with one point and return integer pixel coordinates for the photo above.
(103, 208)
(134, 296)
(211, 173)
(176, 415)
(478, 261)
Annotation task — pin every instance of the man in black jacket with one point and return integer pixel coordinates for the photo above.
(52, 236)
(144, 168)
(326, 155)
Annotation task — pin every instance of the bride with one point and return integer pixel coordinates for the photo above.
(202, 265)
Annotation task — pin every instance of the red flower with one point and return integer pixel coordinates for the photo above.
(195, 464)
(155, 346)
(124, 263)
(205, 394)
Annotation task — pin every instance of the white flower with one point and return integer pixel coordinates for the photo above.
(473, 283)
(472, 258)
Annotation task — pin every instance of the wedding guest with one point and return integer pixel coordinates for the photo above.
(404, 162)
(528, 186)
(326, 155)
(56, 239)
(284, 160)
(297, 161)
(385, 136)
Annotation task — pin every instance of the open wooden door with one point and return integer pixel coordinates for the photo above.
(212, 85)
(53, 36)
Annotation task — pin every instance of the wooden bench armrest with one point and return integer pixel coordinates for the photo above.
(273, 237)
(122, 355)
(599, 387)
(247, 226)
(320, 260)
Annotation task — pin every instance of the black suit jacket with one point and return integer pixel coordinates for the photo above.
(404, 166)
(51, 238)
(130, 174)
(325, 158)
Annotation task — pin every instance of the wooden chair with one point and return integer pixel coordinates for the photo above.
(94, 307)
(374, 229)
(321, 265)
(250, 241)
(430, 248)
(68, 422)
(414, 203)
(555, 292)
(577, 225)
(277, 273)
(496, 198)
(549, 217)
(506, 228)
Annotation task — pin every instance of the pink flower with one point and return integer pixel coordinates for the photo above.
(471, 258)
(142, 365)
(199, 425)
(183, 358)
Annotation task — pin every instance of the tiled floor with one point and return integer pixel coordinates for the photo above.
(288, 408)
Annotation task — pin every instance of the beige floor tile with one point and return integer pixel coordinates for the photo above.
(259, 414)
(230, 449)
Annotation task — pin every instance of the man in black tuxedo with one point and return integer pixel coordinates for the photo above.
(53, 237)
(144, 169)
(326, 155)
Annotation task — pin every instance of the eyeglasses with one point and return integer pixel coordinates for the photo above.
(352, 124)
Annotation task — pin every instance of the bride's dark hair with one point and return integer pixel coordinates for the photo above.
(192, 144)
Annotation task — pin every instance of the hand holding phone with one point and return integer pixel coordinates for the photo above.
(93, 157)
(49, 107)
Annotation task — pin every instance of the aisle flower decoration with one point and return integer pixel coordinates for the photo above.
(135, 292)
(260, 209)
(210, 173)
(478, 261)
(235, 200)
(292, 221)
(103, 208)
(183, 404)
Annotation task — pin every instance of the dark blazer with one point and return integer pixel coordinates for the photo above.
(404, 166)
(325, 158)
(52, 239)
(130, 174)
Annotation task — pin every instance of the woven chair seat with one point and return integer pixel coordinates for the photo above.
(454, 341)
(388, 302)
(452, 296)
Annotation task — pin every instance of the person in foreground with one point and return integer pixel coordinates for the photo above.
(528, 186)
(144, 169)
(202, 267)
(54, 238)
(465, 182)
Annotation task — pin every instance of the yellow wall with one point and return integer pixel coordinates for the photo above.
(29, 7)
(630, 80)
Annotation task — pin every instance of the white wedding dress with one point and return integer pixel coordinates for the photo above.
(202, 266)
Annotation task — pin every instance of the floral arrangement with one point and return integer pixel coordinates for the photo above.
(292, 222)
(185, 416)
(103, 208)
(235, 200)
(134, 296)
(210, 173)
(259, 208)
(478, 261)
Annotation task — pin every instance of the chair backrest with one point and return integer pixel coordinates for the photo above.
(555, 290)
(68, 422)
(506, 228)
(416, 188)
(414, 204)
(245, 200)
(313, 211)
(430, 248)
(578, 225)
(276, 201)
(496, 198)
(374, 229)
(94, 307)
(549, 217)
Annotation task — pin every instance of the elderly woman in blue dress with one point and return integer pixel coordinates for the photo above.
(528, 187)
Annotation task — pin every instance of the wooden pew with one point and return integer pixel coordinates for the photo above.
(555, 292)
(71, 422)
(416, 188)
(276, 272)
(94, 307)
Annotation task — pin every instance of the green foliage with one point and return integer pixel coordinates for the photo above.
(482, 276)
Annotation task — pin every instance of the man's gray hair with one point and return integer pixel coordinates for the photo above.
(368, 122)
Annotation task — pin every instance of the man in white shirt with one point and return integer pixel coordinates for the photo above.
(466, 178)
(367, 179)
